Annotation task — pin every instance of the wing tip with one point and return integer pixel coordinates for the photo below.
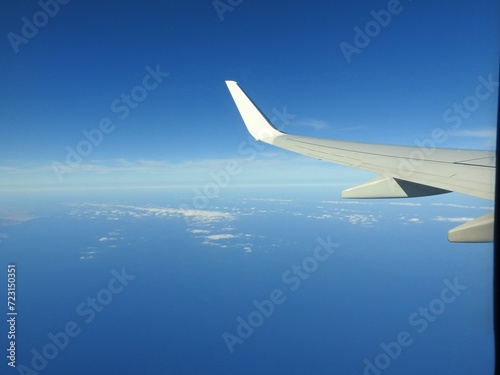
(256, 122)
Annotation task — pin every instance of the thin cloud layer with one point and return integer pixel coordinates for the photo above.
(224, 226)
(453, 219)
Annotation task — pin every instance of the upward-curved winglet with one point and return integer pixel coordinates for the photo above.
(256, 122)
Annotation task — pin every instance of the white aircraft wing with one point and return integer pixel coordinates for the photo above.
(404, 171)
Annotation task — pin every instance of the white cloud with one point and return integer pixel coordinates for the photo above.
(312, 123)
(484, 138)
(198, 222)
(405, 204)
(453, 219)
(347, 202)
(216, 237)
(141, 212)
(269, 200)
(3, 236)
(476, 133)
(415, 220)
(266, 169)
(462, 206)
(323, 216)
(452, 205)
(351, 128)
(361, 219)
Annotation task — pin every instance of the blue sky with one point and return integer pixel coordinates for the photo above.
(183, 126)
(433, 65)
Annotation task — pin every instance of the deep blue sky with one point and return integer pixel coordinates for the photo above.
(396, 90)
(430, 57)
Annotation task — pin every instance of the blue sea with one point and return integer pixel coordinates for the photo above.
(258, 281)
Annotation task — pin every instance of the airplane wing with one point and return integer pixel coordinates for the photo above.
(403, 171)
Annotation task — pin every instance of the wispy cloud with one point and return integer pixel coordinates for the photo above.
(415, 220)
(461, 206)
(312, 123)
(484, 138)
(317, 124)
(265, 168)
(350, 128)
(348, 202)
(362, 219)
(199, 231)
(405, 204)
(453, 219)
(322, 216)
(412, 220)
(211, 227)
(3, 236)
(475, 133)
(222, 236)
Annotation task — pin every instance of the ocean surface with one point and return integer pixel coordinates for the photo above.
(261, 281)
